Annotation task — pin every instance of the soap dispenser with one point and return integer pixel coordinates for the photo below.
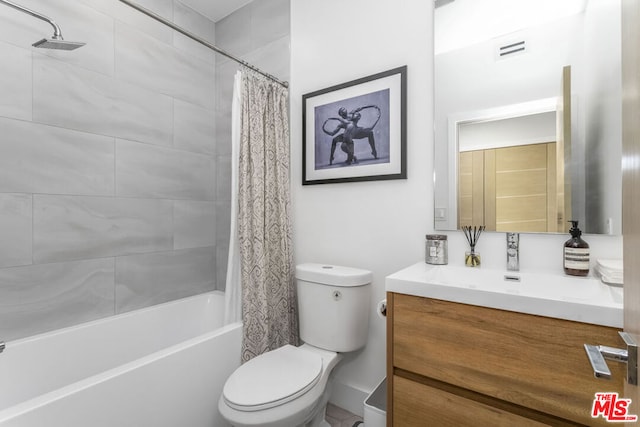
(576, 253)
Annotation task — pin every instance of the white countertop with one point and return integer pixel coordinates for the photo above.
(582, 299)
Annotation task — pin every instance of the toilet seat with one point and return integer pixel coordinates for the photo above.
(272, 379)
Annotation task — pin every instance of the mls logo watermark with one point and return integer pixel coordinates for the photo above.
(612, 408)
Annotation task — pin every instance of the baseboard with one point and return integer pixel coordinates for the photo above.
(348, 397)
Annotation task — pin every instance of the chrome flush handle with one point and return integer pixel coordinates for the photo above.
(598, 353)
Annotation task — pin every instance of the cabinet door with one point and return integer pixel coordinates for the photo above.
(532, 361)
(419, 405)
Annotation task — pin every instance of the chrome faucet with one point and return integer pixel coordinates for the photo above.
(513, 251)
(2, 346)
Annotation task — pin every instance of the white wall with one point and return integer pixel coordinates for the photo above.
(381, 225)
(377, 225)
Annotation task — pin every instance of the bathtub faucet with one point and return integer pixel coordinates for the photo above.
(2, 346)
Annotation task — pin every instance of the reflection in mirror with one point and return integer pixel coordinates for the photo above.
(528, 115)
(507, 174)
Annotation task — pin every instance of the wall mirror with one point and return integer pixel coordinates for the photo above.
(528, 115)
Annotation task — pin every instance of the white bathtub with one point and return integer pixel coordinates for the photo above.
(161, 366)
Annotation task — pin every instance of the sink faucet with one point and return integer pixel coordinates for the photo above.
(513, 251)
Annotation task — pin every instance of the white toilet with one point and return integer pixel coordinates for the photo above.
(288, 386)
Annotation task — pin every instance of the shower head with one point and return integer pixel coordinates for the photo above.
(56, 41)
(58, 44)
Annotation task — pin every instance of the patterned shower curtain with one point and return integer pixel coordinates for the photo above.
(269, 307)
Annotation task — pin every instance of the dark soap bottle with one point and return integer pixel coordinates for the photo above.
(576, 253)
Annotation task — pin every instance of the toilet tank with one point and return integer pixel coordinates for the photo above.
(333, 306)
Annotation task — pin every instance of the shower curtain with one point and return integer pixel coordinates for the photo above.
(269, 307)
(233, 292)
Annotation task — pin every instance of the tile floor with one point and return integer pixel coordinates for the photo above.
(339, 417)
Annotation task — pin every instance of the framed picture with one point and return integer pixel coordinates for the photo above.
(356, 131)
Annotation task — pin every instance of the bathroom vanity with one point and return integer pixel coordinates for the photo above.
(473, 347)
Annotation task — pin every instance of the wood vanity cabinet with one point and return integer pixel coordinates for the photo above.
(451, 364)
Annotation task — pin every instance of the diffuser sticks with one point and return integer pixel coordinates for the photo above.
(472, 233)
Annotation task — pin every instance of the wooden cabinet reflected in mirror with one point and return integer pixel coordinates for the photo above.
(510, 189)
(513, 175)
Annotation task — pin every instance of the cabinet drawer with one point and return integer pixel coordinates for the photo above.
(418, 405)
(532, 361)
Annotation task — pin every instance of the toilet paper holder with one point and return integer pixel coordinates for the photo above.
(381, 309)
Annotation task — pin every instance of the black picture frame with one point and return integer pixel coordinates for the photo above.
(356, 131)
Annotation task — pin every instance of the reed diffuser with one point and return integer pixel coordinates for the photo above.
(471, 257)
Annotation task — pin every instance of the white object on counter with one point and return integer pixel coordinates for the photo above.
(581, 299)
(610, 271)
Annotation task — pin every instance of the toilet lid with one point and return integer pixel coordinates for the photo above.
(272, 379)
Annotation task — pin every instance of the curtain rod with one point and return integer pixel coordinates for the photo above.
(201, 41)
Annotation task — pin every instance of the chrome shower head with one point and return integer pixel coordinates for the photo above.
(58, 44)
(56, 41)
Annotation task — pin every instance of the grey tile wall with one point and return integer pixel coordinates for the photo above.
(193, 127)
(16, 229)
(15, 86)
(198, 25)
(107, 164)
(146, 62)
(144, 170)
(270, 21)
(79, 227)
(194, 224)
(40, 298)
(37, 158)
(233, 33)
(114, 175)
(143, 280)
(76, 98)
(123, 13)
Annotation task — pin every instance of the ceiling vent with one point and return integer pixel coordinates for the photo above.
(511, 49)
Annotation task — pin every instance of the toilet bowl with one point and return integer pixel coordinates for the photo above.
(286, 387)
(289, 386)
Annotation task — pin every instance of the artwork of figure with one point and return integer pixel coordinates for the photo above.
(355, 131)
(347, 122)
